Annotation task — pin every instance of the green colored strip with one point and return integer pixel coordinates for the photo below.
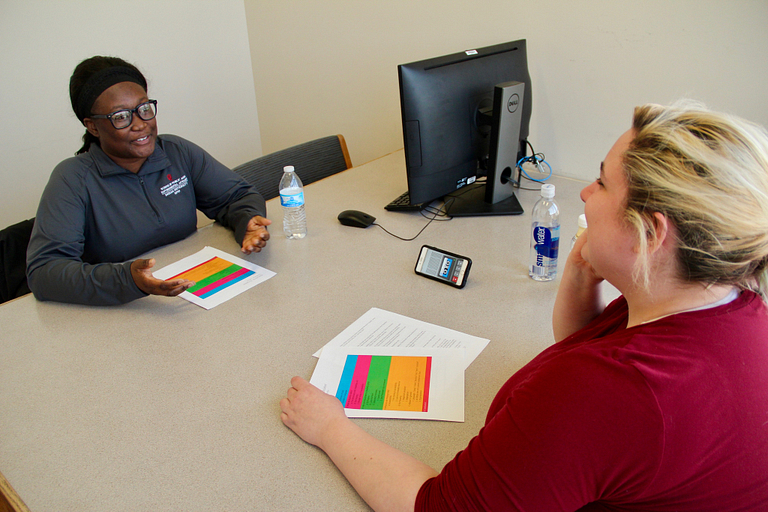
(376, 385)
(215, 277)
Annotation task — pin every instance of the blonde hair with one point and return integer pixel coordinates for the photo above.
(708, 173)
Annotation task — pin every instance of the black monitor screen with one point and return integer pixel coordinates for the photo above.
(445, 104)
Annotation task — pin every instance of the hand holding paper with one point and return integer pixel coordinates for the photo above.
(218, 276)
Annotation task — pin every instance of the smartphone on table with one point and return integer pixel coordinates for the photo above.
(443, 266)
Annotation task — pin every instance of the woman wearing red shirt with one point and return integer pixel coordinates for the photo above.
(656, 402)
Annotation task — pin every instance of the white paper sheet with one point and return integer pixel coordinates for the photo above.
(378, 328)
(387, 387)
(400, 387)
(201, 266)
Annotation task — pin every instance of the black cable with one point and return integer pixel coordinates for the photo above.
(442, 212)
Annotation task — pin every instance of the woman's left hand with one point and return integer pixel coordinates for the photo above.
(256, 234)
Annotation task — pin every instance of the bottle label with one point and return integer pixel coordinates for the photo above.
(291, 200)
(546, 242)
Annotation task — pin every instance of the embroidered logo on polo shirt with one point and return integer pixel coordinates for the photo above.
(175, 186)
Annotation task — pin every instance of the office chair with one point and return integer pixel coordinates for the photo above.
(313, 160)
(13, 260)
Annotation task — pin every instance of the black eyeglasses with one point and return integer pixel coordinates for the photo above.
(123, 118)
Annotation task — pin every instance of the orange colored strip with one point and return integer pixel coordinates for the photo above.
(203, 270)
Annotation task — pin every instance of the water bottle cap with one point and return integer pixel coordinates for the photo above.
(583, 221)
(288, 168)
(548, 191)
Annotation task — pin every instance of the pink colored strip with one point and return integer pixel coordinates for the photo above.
(223, 280)
(357, 387)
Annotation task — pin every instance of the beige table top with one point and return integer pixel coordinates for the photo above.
(162, 405)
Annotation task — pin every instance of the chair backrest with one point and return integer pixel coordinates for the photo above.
(313, 160)
(13, 260)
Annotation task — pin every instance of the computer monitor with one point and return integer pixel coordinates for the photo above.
(466, 115)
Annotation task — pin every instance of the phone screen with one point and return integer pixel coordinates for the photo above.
(443, 266)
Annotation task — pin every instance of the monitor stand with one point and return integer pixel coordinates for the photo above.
(496, 196)
(470, 201)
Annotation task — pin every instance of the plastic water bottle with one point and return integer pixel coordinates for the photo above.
(292, 199)
(545, 236)
(582, 227)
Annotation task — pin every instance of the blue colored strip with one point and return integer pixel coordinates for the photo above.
(346, 379)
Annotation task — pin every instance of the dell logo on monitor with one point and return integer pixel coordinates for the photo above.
(513, 102)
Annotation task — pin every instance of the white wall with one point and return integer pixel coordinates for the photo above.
(328, 66)
(194, 53)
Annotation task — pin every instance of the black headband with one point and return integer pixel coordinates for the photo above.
(100, 82)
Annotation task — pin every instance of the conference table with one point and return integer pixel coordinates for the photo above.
(160, 404)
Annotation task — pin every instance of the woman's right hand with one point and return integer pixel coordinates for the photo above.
(141, 271)
(579, 298)
(310, 412)
(577, 260)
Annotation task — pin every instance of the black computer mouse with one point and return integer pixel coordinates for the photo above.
(356, 218)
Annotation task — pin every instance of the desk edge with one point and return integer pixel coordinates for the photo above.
(9, 498)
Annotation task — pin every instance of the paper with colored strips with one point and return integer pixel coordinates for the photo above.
(386, 365)
(218, 276)
(392, 383)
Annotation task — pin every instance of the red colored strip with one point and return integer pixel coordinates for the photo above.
(427, 376)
